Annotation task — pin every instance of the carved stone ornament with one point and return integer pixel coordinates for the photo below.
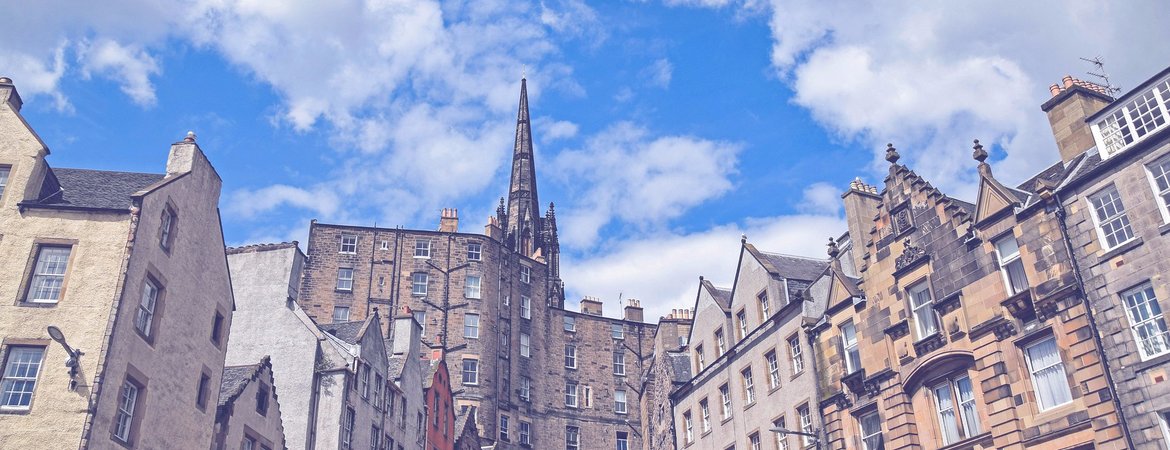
(899, 329)
(855, 382)
(1048, 307)
(1020, 306)
(1004, 330)
(930, 344)
(910, 255)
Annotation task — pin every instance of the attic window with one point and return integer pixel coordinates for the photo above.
(1128, 124)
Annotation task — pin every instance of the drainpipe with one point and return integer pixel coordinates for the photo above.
(821, 432)
(1062, 217)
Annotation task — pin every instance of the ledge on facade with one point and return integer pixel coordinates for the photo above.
(873, 384)
(855, 382)
(949, 303)
(898, 329)
(983, 440)
(1020, 306)
(930, 343)
(987, 326)
(1117, 251)
(1156, 361)
(838, 399)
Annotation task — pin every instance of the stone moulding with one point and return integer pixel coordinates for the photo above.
(1021, 306)
(855, 382)
(899, 329)
(931, 343)
(912, 256)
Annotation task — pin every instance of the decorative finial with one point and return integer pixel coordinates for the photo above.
(743, 238)
(5, 80)
(892, 154)
(980, 154)
(190, 137)
(524, 72)
(833, 250)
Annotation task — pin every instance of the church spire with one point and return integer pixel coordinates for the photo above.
(523, 206)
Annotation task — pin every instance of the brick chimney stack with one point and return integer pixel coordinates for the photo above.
(633, 310)
(449, 220)
(9, 95)
(591, 306)
(1072, 101)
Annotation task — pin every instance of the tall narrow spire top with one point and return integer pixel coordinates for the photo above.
(523, 204)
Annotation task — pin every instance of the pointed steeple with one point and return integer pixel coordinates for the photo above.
(523, 205)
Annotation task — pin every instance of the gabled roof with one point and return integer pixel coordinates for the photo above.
(722, 296)
(429, 375)
(395, 365)
(236, 378)
(91, 189)
(680, 365)
(789, 266)
(350, 332)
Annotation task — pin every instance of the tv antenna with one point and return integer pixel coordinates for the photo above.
(1101, 74)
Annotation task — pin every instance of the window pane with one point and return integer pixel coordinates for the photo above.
(1147, 322)
(967, 406)
(49, 274)
(20, 376)
(1048, 375)
(946, 413)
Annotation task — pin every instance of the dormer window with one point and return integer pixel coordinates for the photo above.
(1148, 112)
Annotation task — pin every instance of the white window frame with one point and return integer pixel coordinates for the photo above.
(765, 307)
(1145, 316)
(147, 305)
(525, 274)
(472, 286)
(623, 440)
(749, 385)
(1055, 368)
(18, 381)
(773, 363)
(422, 248)
(165, 230)
(617, 331)
(781, 438)
(419, 286)
(571, 391)
(570, 323)
(806, 425)
(700, 359)
(1009, 261)
(525, 345)
(619, 401)
(470, 377)
(471, 326)
(705, 414)
(572, 438)
(849, 348)
(619, 362)
(754, 441)
(345, 279)
(866, 435)
(5, 172)
(570, 356)
(347, 426)
(963, 409)
(1158, 173)
(725, 400)
(925, 318)
(795, 354)
(1134, 121)
(48, 274)
(124, 416)
(525, 433)
(525, 307)
(720, 342)
(1118, 222)
(525, 389)
(385, 245)
(504, 428)
(689, 426)
(345, 317)
(348, 244)
(741, 317)
(474, 251)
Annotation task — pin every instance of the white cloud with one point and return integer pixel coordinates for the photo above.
(659, 73)
(662, 269)
(640, 179)
(250, 203)
(573, 18)
(931, 78)
(821, 199)
(548, 130)
(129, 65)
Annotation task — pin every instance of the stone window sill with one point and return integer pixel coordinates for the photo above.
(1120, 249)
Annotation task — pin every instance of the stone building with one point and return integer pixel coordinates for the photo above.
(248, 415)
(967, 327)
(468, 436)
(1114, 206)
(338, 382)
(494, 302)
(126, 272)
(669, 368)
(753, 368)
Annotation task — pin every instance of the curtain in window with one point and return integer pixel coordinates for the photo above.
(967, 406)
(1048, 374)
(946, 413)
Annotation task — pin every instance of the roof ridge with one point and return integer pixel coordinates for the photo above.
(788, 255)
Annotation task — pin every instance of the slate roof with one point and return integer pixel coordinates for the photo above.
(395, 366)
(795, 267)
(429, 377)
(235, 379)
(346, 331)
(680, 364)
(722, 296)
(1091, 161)
(91, 189)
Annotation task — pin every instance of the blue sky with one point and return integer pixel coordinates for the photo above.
(664, 130)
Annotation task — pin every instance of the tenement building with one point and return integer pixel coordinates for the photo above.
(340, 385)
(669, 368)
(753, 367)
(1115, 206)
(531, 373)
(118, 304)
(967, 327)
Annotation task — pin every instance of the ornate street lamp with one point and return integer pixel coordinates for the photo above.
(74, 355)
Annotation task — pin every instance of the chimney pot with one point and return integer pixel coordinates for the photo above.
(1068, 81)
(9, 95)
(449, 220)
